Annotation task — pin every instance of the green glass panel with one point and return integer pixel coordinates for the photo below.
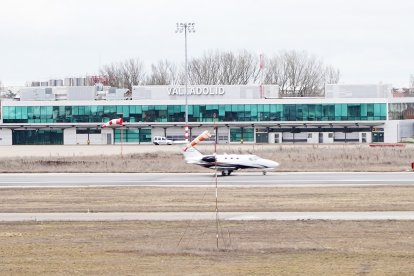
(377, 110)
(107, 109)
(222, 110)
(145, 135)
(171, 109)
(119, 109)
(190, 110)
(235, 134)
(364, 110)
(40, 137)
(383, 110)
(125, 111)
(318, 112)
(338, 110)
(133, 109)
(75, 110)
(49, 112)
(61, 110)
(248, 134)
(24, 112)
(43, 114)
(30, 112)
(6, 112)
(18, 114)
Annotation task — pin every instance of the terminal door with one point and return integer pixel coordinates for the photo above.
(377, 137)
(262, 137)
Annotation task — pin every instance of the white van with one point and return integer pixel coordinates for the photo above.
(160, 140)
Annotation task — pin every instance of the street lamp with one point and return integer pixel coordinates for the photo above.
(185, 27)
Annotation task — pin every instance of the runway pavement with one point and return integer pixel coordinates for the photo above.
(179, 216)
(239, 179)
(274, 179)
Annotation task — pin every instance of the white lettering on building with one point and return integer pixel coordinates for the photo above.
(204, 90)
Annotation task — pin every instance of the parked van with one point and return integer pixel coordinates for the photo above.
(160, 140)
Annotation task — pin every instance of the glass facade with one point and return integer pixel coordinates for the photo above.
(37, 137)
(238, 134)
(196, 113)
(401, 111)
(132, 135)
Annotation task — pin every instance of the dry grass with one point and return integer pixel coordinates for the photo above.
(153, 199)
(177, 248)
(188, 247)
(291, 157)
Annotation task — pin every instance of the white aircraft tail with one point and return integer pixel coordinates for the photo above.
(191, 155)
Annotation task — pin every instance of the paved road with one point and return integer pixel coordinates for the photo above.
(239, 179)
(275, 179)
(177, 216)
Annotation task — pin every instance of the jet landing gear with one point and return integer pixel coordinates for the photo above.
(225, 172)
(264, 172)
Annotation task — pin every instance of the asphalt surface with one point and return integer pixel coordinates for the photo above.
(274, 179)
(239, 179)
(180, 216)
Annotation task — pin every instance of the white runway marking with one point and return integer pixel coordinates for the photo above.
(179, 216)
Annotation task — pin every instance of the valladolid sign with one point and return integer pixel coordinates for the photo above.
(197, 90)
(201, 92)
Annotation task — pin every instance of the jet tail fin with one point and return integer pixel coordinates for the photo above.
(191, 155)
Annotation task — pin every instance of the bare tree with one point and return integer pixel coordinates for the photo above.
(6, 93)
(332, 75)
(276, 72)
(113, 73)
(124, 74)
(132, 72)
(164, 73)
(239, 69)
(298, 74)
(204, 70)
(225, 68)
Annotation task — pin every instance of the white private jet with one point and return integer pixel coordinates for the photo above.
(225, 163)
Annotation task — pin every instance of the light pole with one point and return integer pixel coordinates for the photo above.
(185, 27)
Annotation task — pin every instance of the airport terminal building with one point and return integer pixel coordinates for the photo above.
(233, 114)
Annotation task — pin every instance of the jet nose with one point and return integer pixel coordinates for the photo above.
(274, 164)
(270, 163)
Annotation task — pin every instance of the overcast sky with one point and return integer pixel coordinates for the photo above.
(370, 41)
